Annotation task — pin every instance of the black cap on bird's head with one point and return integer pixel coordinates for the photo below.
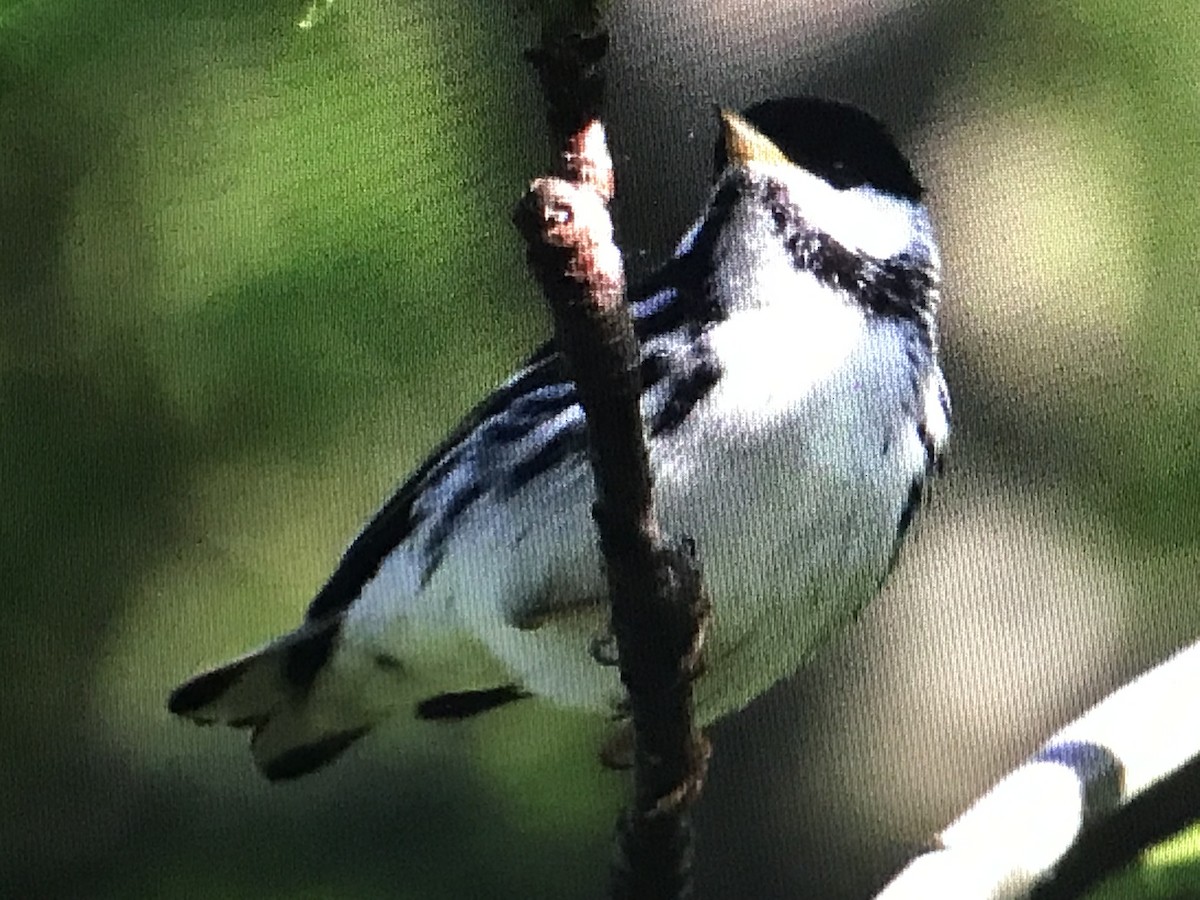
(840, 143)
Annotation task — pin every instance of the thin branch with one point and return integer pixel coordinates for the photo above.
(658, 607)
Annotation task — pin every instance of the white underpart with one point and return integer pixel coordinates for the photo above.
(790, 475)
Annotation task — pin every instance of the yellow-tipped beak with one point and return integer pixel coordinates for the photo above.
(743, 144)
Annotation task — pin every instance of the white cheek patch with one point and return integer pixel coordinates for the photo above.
(860, 218)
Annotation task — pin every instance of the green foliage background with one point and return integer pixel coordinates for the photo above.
(250, 272)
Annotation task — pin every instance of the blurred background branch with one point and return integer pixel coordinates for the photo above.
(1105, 787)
(236, 265)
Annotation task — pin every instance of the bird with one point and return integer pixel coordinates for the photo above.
(794, 410)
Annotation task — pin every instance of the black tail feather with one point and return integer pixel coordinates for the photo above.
(193, 695)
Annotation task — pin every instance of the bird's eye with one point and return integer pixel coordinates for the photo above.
(842, 175)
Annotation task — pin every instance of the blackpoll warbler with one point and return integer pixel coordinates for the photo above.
(793, 405)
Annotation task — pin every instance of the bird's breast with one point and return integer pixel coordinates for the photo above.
(791, 476)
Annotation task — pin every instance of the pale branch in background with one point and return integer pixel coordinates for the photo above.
(1119, 778)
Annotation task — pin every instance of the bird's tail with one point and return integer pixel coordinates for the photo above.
(285, 694)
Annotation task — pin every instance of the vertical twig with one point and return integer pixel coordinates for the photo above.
(659, 610)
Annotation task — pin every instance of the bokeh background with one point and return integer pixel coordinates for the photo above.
(250, 272)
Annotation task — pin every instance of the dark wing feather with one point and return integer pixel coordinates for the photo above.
(398, 518)
(669, 299)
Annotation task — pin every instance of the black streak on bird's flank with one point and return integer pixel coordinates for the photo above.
(932, 460)
(912, 503)
(687, 387)
(464, 704)
(570, 440)
(654, 368)
(915, 492)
